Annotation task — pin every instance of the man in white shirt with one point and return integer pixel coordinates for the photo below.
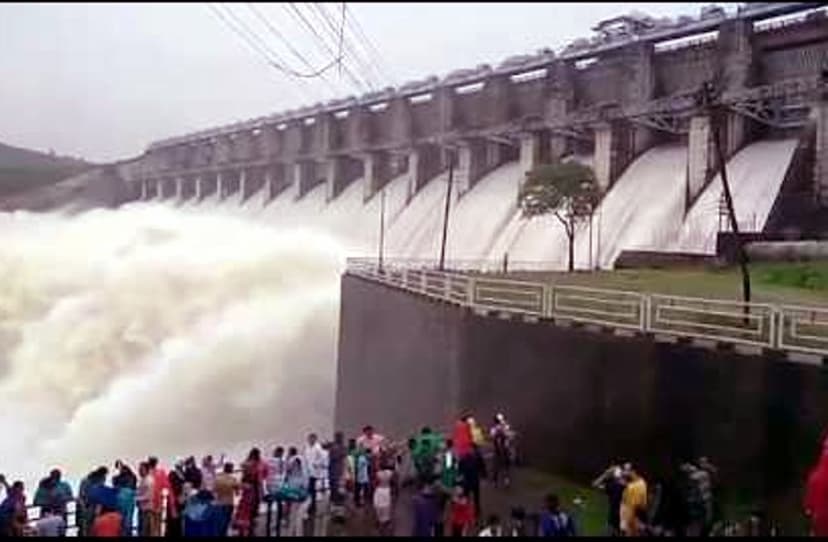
(50, 524)
(316, 463)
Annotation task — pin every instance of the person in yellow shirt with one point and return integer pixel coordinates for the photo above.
(633, 498)
(478, 435)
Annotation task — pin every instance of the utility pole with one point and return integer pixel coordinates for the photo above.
(591, 214)
(714, 109)
(448, 205)
(382, 226)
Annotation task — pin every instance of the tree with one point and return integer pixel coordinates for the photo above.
(566, 189)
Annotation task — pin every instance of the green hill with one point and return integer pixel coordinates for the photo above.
(23, 169)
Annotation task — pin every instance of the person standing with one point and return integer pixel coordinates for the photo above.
(612, 482)
(501, 436)
(634, 497)
(698, 500)
(13, 515)
(362, 486)
(295, 492)
(370, 440)
(715, 490)
(816, 494)
(383, 504)
(53, 493)
(426, 510)
(462, 437)
(461, 514)
(107, 524)
(554, 522)
(92, 492)
(175, 501)
(160, 485)
(472, 468)
(449, 466)
(125, 482)
(254, 472)
(274, 482)
(143, 499)
(337, 456)
(225, 488)
(316, 464)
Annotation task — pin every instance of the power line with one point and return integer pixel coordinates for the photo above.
(279, 64)
(275, 32)
(297, 14)
(320, 41)
(367, 40)
(374, 61)
(244, 38)
(332, 32)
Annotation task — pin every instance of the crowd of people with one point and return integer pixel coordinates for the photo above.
(690, 505)
(315, 484)
(303, 491)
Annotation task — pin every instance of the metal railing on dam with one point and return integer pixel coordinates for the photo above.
(789, 328)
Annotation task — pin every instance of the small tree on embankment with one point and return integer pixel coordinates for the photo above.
(568, 190)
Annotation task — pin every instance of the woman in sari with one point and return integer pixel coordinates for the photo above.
(254, 473)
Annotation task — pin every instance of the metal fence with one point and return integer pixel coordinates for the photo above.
(785, 327)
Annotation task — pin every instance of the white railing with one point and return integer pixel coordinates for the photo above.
(785, 327)
(614, 308)
(803, 329)
(734, 321)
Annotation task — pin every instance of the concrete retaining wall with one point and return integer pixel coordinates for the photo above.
(580, 398)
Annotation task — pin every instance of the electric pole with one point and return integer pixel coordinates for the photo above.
(448, 205)
(382, 226)
(710, 103)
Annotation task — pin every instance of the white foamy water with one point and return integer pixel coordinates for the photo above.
(151, 330)
(755, 175)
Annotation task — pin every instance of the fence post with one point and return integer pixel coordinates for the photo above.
(648, 304)
(779, 328)
(470, 285)
(424, 281)
(447, 286)
(550, 301)
(644, 306)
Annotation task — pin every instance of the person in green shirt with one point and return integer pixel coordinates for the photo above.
(448, 466)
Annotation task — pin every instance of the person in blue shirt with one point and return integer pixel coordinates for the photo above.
(554, 522)
(201, 516)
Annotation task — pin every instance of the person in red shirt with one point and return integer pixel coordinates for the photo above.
(461, 514)
(462, 437)
(160, 482)
(816, 496)
(107, 524)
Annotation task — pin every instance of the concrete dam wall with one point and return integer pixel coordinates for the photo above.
(578, 398)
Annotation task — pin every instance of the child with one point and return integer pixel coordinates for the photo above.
(461, 513)
(383, 501)
(363, 477)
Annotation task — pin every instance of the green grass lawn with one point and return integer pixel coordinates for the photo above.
(796, 283)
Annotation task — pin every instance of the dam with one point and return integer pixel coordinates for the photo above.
(624, 101)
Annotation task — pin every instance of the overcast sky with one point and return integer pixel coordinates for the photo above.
(102, 81)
